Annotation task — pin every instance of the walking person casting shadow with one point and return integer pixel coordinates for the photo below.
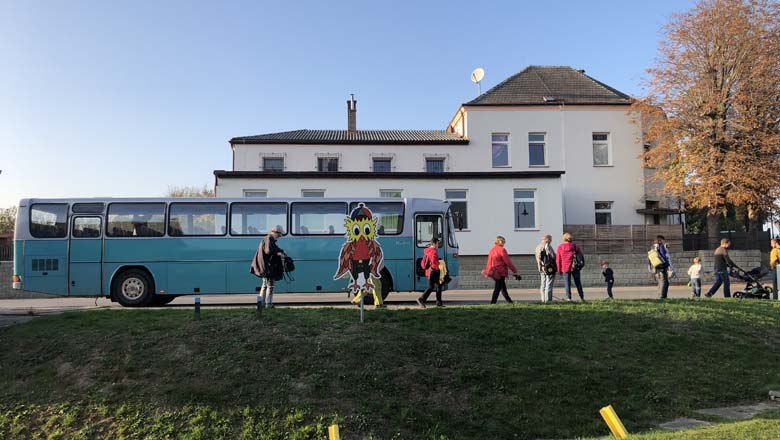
(430, 263)
(268, 265)
(498, 266)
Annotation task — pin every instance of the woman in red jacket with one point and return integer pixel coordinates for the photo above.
(568, 252)
(430, 263)
(498, 267)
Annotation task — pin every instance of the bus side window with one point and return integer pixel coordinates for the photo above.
(136, 220)
(49, 220)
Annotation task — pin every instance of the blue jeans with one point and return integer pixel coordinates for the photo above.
(696, 286)
(721, 277)
(567, 284)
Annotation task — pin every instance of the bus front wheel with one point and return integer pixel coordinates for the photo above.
(133, 288)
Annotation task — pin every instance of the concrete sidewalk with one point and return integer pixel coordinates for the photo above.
(395, 300)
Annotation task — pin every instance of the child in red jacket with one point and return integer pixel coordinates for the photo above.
(430, 263)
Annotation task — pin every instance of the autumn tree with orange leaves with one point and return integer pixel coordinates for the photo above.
(712, 110)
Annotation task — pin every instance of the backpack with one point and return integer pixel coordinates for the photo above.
(288, 264)
(577, 260)
(655, 259)
(548, 263)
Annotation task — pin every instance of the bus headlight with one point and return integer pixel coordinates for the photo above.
(16, 282)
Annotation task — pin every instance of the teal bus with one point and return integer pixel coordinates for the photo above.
(147, 251)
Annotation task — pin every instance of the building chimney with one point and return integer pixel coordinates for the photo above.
(352, 114)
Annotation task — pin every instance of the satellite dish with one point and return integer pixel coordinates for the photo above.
(477, 75)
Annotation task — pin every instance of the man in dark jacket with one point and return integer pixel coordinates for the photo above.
(267, 265)
(722, 265)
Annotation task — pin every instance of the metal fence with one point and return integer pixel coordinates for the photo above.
(755, 240)
(622, 238)
(608, 239)
(6, 251)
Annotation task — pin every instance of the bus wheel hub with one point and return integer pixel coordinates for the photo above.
(132, 288)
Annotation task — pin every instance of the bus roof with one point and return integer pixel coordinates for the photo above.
(407, 200)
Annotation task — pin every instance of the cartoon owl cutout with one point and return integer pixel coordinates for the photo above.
(361, 256)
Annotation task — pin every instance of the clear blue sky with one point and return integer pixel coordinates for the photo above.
(124, 98)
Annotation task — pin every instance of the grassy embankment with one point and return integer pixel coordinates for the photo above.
(522, 371)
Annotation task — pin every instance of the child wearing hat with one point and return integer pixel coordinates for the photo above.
(609, 277)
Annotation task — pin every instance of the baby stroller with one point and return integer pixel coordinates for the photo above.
(753, 286)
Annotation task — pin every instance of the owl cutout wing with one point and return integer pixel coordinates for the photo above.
(345, 258)
(377, 258)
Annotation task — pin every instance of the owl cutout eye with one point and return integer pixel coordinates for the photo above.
(356, 230)
(367, 229)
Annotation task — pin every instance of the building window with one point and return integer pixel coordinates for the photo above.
(525, 209)
(391, 193)
(382, 165)
(537, 147)
(327, 164)
(458, 207)
(603, 213)
(255, 193)
(273, 164)
(601, 150)
(500, 150)
(312, 193)
(434, 164)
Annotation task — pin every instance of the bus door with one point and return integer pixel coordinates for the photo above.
(426, 226)
(86, 255)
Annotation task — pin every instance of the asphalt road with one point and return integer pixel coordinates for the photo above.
(18, 307)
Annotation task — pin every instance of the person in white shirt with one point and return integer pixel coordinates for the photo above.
(695, 273)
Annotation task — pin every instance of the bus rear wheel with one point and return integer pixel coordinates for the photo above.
(133, 288)
(386, 282)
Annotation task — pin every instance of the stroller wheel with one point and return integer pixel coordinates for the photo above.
(739, 294)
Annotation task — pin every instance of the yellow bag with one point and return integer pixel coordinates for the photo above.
(655, 258)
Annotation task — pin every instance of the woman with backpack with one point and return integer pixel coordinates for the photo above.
(498, 266)
(570, 260)
(545, 262)
(268, 265)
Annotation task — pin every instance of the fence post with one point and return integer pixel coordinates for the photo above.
(595, 239)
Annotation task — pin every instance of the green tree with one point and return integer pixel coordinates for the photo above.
(7, 219)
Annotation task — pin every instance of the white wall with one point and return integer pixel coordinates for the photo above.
(490, 203)
(409, 158)
(572, 127)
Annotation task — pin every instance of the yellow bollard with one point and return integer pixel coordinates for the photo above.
(333, 432)
(613, 421)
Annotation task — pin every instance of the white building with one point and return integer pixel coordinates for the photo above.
(546, 147)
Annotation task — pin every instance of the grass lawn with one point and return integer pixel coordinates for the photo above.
(512, 371)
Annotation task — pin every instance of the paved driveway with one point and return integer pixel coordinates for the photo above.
(395, 300)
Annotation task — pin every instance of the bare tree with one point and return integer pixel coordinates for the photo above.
(712, 110)
(189, 191)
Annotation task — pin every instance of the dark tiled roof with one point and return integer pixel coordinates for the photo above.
(384, 137)
(530, 86)
(222, 174)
